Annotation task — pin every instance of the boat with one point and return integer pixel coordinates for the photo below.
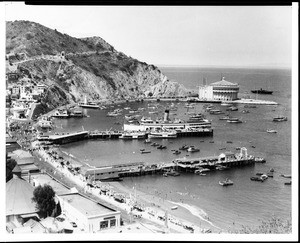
(280, 118)
(270, 174)
(146, 119)
(133, 135)
(232, 108)
(161, 147)
(255, 178)
(154, 144)
(286, 176)
(174, 207)
(262, 91)
(145, 152)
(201, 170)
(221, 167)
(224, 118)
(147, 140)
(259, 173)
(163, 134)
(193, 149)
(61, 113)
(288, 183)
(184, 147)
(227, 182)
(245, 111)
(77, 113)
(259, 160)
(271, 170)
(86, 104)
(264, 177)
(215, 112)
(166, 123)
(113, 114)
(234, 120)
(271, 131)
(228, 141)
(172, 173)
(176, 152)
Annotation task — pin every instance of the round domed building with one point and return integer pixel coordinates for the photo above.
(220, 90)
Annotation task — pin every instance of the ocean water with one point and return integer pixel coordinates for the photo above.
(246, 202)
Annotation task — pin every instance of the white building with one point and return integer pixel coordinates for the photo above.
(220, 90)
(90, 216)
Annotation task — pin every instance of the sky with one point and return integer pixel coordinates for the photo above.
(177, 35)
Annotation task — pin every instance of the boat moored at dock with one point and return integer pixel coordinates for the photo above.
(162, 134)
(133, 135)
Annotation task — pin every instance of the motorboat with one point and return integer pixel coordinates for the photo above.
(201, 170)
(193, 149)
(174, 207)
(227, 182)
(245, 111)
(262, 91)
(184, 147)
(86, 104)
(172, 173)
(280, 118)
(215, 112)
(234, 120)
(271, 131)
(288, 183)
(232, 108)
(176, 152)
(161, 147)
(145, 152)
(256, 178)
(259, 160)
(224, 118)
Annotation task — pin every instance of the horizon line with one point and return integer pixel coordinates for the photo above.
(226, 66)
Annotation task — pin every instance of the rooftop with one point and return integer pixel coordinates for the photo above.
(223, 82)
(18, 197)
(42, 179)
(86, 206)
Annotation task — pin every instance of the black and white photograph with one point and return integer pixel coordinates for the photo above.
(132, 122)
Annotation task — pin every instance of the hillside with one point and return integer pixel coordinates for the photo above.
(88, 67)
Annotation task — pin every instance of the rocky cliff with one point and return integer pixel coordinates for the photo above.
(73, 68)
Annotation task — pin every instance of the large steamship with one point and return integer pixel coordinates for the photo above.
(167, 124)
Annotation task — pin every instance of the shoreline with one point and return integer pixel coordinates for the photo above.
(154, 207)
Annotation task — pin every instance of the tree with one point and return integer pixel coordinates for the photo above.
(10, 165)
(43, 196)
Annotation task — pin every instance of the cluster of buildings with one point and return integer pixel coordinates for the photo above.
(21, 94)
(74, 212)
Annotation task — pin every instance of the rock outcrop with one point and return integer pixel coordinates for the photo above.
(73, 68)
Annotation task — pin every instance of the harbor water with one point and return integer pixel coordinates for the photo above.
(244, 203)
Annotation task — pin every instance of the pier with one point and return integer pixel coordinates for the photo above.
(223, 161)
(82, 135)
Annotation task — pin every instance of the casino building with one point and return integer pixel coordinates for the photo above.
(220, 90)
